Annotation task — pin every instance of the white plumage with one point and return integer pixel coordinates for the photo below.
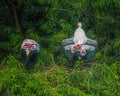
(79, 35)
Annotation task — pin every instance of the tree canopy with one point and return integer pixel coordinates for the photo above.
(49, 22)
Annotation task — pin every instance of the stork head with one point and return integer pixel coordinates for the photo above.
(28, 46)
(79, 24)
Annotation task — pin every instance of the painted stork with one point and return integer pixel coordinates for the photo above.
(30, 50)
(79, 47)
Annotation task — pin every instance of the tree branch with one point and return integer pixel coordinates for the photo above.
(60, 9)
(77, 6)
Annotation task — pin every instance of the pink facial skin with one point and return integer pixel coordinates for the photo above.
(78, 47)
(28, 45)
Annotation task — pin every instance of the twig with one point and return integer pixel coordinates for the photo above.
(53, 61)
(63, 79)
(106, 44)
(60, 9)
(77, 6)
(13, 6)
(67, 76)
(113, 57)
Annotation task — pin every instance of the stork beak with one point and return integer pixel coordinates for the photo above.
(27, 52)
(78, 22)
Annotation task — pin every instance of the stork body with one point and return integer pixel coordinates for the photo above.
(30, 50)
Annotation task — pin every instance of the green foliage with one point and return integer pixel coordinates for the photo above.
(49, 22)
(33, 35)
(56, 40)
(45, 58)
(98, 80)
(10, 42)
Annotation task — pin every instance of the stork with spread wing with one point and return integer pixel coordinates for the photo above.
(79, 46)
